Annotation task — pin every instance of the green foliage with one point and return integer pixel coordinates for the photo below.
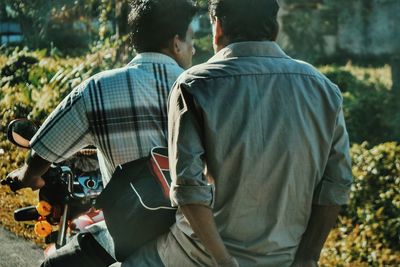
(33, 16)
(369, 228)
(105, 9)
(367, 106)
(66, 25)
(375, 194)
(63, 38)
(302, 45)
(9, 201)
(204, 49)
(32, 84)
(16, 70)
(202, 3)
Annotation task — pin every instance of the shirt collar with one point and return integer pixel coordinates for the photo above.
(250, 49)
(150, 57)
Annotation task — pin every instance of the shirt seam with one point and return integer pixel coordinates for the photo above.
(246, 56)
(149, 62)
(252, 74)
(84, 95)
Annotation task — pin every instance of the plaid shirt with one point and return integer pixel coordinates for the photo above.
(122, 112)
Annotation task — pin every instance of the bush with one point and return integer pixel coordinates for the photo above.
(375, 196)
(367, 106)
(204, 49)
(9, 201)
(369, 227)
(31, 84)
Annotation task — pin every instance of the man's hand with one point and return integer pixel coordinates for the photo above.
(30, 175)
(231, 262)
(202, 221)
(19, 179)
(321, 221)
(13, 182)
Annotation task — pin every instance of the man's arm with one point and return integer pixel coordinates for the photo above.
(202, 222)
(190, 189)
(331, 192)
(322, 219)
(65, 131)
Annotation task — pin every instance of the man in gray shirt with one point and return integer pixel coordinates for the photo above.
(259, 152)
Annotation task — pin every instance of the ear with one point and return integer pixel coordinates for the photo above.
(176, 45)
(218, 32)
(174, 48)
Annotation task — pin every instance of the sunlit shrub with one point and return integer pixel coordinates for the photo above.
(375, 194)
(368, 106)
(369, 228)
(31, 84)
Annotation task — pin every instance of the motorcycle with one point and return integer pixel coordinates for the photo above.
(66, 201)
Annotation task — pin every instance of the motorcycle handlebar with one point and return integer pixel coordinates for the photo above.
(26, 214)
(14, 184)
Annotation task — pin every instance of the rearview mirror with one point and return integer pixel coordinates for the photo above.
(21, 131)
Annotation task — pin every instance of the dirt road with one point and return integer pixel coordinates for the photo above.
(18, 252)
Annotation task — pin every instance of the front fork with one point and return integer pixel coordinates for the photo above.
(63, 225)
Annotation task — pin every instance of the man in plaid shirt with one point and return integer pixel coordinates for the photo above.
(122, 111)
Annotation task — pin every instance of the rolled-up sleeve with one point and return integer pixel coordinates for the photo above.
(336, 182)
(186, 151)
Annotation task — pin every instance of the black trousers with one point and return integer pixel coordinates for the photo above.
(82, 250)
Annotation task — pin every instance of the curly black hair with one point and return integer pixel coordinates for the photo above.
(247, 20)
(154, 23)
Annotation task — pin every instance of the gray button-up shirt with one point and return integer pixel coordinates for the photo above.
(260, 138)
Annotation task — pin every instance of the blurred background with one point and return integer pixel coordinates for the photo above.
(48, 47)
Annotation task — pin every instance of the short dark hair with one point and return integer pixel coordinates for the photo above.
(247, 20)
(153, 23)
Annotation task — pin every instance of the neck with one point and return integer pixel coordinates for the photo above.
(221, 44)
(166, 52)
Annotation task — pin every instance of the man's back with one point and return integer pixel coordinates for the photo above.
(269, 124)
(122, 112)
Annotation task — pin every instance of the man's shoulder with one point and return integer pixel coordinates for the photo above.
(307, 68)
(108, 75)
(103, 81)
(135, 72)
(234, 66)
(312, 72)
(204, 71)
(288, 68)
(240, 66)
